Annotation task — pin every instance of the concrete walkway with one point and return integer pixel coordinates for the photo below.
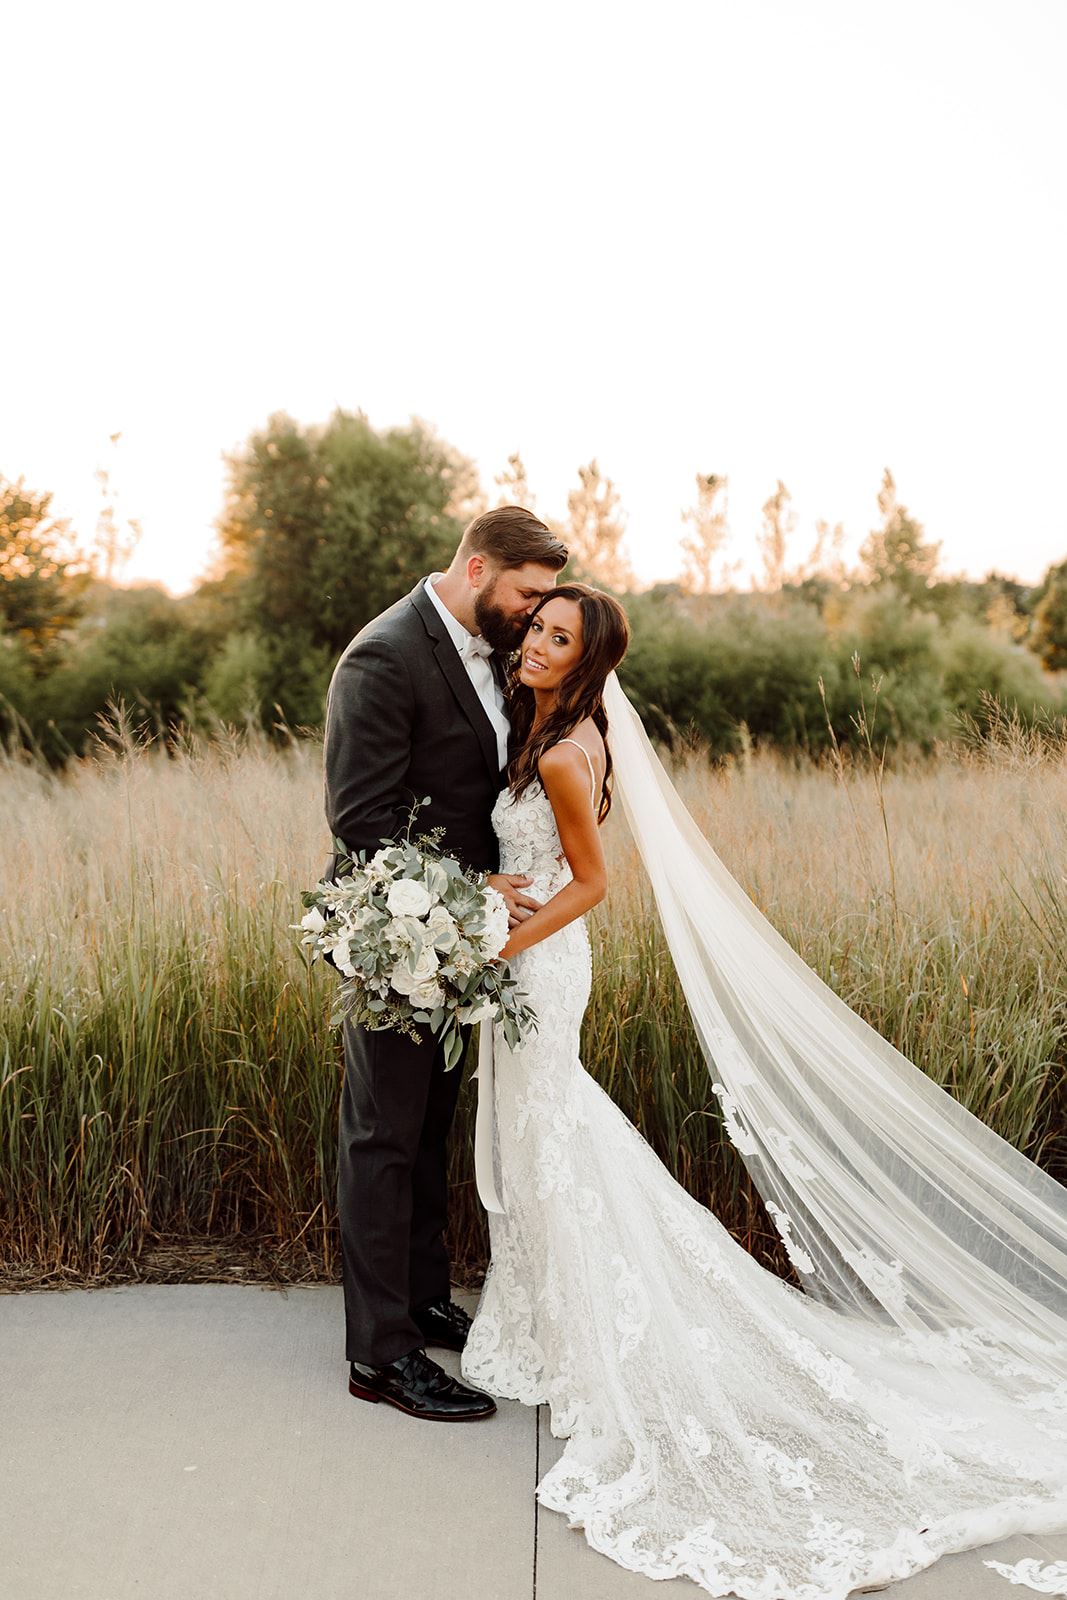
(197, 1442)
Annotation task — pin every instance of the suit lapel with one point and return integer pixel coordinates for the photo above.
(457, 678)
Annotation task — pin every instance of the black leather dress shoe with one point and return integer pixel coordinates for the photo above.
(443, 1323)
(417, 1385)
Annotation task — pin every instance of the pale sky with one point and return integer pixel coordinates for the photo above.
(763, 239)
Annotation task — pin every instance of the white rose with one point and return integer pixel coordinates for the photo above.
(342, 955)
(426, 963)
(404, 980)
(427, 996)
(442, 925)
(314, 922)
(406, 898)
(495, 936)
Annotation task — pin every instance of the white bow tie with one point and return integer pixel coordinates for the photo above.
(474, 645)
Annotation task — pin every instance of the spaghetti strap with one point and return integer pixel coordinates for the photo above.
(592, 769)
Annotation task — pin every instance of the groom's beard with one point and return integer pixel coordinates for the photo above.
(504, 633)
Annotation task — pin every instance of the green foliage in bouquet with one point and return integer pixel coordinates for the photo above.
(417, 940)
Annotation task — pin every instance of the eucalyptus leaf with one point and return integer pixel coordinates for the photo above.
(453, 1050)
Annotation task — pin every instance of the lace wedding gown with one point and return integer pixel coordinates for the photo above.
(721, 1424)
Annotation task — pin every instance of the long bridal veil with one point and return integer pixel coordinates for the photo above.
(895, 1203)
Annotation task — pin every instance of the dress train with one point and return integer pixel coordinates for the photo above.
(721, 1425)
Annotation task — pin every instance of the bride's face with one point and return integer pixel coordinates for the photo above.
(553, 644)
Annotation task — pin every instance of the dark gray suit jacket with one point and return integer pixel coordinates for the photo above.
(403, 720)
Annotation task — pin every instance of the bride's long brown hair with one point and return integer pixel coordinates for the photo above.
(605, 636)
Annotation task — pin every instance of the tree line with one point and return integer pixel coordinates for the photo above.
(322, 526)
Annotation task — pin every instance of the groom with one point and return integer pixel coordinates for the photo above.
(416, 708)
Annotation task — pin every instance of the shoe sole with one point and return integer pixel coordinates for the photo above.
(423, 1416)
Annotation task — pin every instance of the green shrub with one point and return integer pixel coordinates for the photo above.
(705, 673)
(976, 661)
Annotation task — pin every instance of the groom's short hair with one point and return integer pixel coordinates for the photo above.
(511, 536)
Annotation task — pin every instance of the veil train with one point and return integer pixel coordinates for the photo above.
(895, 1204)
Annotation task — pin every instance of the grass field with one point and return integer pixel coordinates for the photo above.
(168, 1084)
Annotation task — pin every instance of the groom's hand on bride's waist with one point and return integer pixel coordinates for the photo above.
(511, 885)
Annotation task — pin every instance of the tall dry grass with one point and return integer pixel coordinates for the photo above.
(167, 1071)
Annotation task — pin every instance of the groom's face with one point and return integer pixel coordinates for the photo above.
(507, 599)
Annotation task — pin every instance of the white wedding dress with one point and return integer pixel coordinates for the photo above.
(721, 1424)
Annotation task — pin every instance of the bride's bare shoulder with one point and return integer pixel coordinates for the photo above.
(563, 756)
(586, 733)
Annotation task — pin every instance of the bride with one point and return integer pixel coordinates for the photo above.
(722, 1425)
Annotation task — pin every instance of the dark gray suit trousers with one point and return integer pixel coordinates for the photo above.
(397, 1105)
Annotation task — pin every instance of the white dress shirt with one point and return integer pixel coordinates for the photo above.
(474, 653)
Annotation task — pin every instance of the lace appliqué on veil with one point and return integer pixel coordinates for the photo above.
(1050, 1579)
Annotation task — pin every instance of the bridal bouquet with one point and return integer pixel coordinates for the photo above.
(416, 940)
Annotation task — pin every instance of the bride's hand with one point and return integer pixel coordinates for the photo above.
(520, 906)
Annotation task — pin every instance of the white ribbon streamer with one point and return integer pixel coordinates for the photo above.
(485, 1123)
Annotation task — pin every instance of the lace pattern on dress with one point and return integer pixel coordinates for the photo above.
(721, 1425)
